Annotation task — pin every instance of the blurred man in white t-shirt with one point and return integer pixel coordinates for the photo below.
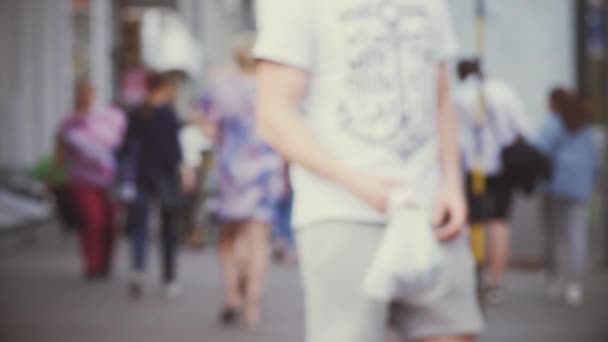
(355, 94)
(482, 144)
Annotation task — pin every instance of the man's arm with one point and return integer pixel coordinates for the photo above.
(280, 93)
(451, 205)
(448, 131)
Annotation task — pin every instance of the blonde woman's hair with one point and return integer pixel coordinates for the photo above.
(242, 49)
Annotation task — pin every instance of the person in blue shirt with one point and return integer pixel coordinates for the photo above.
(567, 139)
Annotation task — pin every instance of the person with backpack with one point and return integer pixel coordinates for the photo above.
(492, 118)
(567, 139)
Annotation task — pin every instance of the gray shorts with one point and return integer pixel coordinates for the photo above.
(334, 259)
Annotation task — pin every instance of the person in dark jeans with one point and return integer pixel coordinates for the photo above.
(152, 146)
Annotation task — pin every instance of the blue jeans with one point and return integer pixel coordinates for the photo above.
(565, 224)
(282, 224)
(139, 231)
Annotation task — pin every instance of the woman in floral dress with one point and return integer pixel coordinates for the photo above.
(250, 187)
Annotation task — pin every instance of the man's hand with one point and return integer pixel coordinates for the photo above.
(188, 177)
(374, 190)
(450, 213)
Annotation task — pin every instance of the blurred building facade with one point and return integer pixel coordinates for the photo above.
(36, 77)
(47, 45)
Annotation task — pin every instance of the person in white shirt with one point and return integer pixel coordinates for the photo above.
(355, 94)
(482, 140)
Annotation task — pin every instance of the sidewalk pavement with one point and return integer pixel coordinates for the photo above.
(42, 299)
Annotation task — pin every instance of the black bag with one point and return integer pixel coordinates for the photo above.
(66, 207)
(525, 166)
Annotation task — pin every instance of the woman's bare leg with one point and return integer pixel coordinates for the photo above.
(230, 265)
(500, 245)
(258, 235)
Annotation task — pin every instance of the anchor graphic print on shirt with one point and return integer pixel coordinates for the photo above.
(371, 91)
(391, 51)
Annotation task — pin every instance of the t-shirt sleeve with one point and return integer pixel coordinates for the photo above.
(447, 44)
(284, 32)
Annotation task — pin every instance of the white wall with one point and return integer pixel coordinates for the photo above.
(530, 44)
(36, 82)
(101, 49)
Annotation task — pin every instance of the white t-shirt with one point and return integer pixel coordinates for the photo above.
(505, 120)
(371, 101)
(193, 143)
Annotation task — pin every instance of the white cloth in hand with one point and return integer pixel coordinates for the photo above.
(408, 262)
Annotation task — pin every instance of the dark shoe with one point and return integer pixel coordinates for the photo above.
(279, 255)
(397, 319)
(136, 286)
(229, 316)
(135, 290)
(93, 277)
(106, 272)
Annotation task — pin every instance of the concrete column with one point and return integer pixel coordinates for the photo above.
(35, 85)
(101, 49)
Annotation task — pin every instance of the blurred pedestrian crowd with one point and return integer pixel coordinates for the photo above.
(220, 175)
(138, 169)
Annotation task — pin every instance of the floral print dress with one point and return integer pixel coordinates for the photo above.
(250, 173)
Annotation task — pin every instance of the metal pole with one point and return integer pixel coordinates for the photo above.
(594, 24)
(478, 182)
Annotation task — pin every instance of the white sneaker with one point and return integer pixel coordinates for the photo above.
(172, 290)
(574, 294)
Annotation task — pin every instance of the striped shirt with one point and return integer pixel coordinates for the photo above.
(92, 140)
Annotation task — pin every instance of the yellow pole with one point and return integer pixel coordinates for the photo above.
(478, 234)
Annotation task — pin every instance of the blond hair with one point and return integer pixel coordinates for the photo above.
(242, 49)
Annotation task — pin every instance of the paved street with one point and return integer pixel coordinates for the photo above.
(42, 299)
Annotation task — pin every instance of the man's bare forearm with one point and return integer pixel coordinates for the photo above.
(449, 153)
(294, 140)
(283, 127)
(449, 147)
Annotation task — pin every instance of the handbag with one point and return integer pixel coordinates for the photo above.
(524, 166)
